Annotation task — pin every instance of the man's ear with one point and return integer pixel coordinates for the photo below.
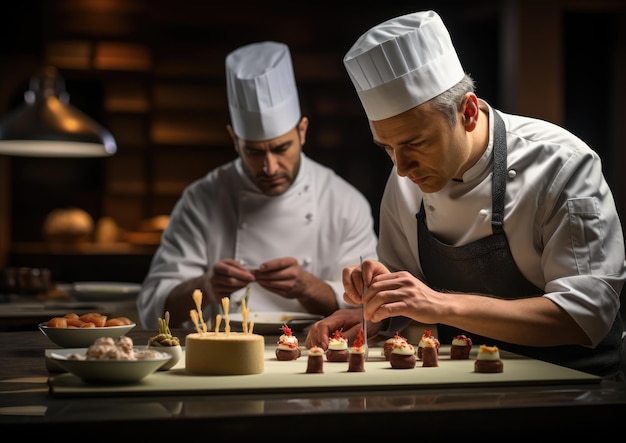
(470, 111)
(303, 126)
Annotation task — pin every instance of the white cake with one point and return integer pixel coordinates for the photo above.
(233, 353)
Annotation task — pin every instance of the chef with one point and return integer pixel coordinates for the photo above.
(272, 225)
(497, 226)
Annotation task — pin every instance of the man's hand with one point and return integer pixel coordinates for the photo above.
(281, 276)
(355, 276)
(348, 321)
(228, 276)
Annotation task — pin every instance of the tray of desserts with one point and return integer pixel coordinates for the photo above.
(292, 377)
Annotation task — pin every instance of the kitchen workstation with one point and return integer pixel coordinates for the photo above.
(40, 395)
(140, 175)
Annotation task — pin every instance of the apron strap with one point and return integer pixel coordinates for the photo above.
(498, 181)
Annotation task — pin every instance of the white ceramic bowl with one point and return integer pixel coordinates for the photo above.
(109, 371)
(175, 351)
(82, 337)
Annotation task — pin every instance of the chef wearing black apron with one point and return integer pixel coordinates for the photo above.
(486, 266)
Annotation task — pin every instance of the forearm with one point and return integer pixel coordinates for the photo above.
(315, 295)
(180, 300)
(535, 321)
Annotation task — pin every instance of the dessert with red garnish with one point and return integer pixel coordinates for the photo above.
(488, 360)
(461, 347)
(337, 348)
(402, 355)
(315, 361)
(390, 343)
(288, 348)
(356, 360)
(430, 352)
(420, 347)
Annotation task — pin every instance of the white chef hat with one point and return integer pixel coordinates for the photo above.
(261, 88)
(403, 63)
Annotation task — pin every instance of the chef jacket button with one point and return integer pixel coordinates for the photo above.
(243, 225)
(309, 217)
(483, 213)
(512, 173)
(306, 261)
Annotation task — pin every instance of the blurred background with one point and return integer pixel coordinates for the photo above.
(152, 73)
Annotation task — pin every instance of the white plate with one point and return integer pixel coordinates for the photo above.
(104, 291)
(108, 371)
(271, 322)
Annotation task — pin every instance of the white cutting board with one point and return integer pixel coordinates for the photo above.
(290, 376)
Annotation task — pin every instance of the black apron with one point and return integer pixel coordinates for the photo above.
(486, 266)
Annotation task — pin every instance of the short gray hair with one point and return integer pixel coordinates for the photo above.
(449, 102)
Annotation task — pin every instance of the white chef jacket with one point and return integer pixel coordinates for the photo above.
(560, 219)
(322, 220)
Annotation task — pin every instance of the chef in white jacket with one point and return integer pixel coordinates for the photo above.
(272, 222)
(497, 226)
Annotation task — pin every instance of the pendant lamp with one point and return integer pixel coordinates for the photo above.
(47, 125)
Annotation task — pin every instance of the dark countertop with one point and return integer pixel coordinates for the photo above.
(564, 410)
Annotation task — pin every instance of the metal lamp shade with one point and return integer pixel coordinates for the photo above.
(47, 125)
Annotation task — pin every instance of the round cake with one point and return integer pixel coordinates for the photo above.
(220, 353)
(337, 348)
(488, 360)
(461, 347)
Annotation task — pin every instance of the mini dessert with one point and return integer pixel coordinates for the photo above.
(461, 347)
(288, 348)
(402, 355)
(488, 360)
(430, 352)
(337, 348)
(223, 353)
(390, 343)
(315, 362)
(420, 346)
(356, 359)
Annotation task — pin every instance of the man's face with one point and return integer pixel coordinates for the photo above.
(423, 146)
(273, 164)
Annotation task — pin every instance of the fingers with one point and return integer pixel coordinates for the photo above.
(352, 284)
(228, 276)
(356, 278)
(278, 264)
(346, 320)
(230, 268)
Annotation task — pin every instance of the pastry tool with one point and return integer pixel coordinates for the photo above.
(363, 312)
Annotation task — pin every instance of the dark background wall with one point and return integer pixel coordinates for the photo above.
(153, 73)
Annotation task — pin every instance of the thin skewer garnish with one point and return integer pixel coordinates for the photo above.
(225, 304)
(194, 318)
(244, 315)
(218, 322)
(197, 298)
